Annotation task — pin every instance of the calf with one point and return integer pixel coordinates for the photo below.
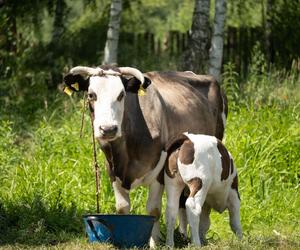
(203, 164)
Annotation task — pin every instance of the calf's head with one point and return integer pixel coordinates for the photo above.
(107, 87)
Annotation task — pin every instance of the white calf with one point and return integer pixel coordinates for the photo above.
(203, 164)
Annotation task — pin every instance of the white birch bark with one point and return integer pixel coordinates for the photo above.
(111, 46)
(195, 58)
(216, 50)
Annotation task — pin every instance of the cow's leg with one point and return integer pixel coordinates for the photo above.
(155, 199)
(122, 198)
(193, 209)
(174, 188)
(182, 215)
(204, 222)
(234, 213)
(154, 208)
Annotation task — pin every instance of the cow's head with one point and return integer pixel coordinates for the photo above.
(107, 88)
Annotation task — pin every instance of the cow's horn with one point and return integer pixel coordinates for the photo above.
(133, 72)
(88, 71)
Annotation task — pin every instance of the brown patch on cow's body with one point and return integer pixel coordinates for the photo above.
(234, 185)
(185, 102)
(187, 152)
(172, 148)
(171, 164)
(175, 143)
(225, 159)
(231, 166)
(194, 185)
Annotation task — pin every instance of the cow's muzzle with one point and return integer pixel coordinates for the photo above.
(108, 132)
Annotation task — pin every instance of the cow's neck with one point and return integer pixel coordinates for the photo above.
(135, 152)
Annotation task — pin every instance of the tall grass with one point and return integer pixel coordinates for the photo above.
(47, 179)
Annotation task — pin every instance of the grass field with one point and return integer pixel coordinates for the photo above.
(47, 179)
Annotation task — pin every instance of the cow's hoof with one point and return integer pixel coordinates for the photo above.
(152, 243)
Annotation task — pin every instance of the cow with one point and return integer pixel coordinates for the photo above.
(136, 114)
(203, 164)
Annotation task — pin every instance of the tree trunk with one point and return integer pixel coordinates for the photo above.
(54, 49)
(196, 56)
(268, 31)
(58, 26)
(111, 46)
(12, 35)
(216, 50)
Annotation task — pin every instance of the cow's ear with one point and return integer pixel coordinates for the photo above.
(76, 82)
(133, 85)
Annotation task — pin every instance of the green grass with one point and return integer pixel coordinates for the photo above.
(47, 178)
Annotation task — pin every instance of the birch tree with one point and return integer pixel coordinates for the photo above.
(195, 58)
(216, 50)
(112, 40)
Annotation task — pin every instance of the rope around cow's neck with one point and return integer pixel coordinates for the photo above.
(95, 163)
(83, 114)
(96, 166)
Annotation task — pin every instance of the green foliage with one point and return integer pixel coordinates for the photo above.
(158, 17)
(10, 156)
(285, 36)
(230, 83)
(244, 13)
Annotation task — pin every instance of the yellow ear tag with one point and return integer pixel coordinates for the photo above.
(141, 91)
(75, 86)
(68, 91)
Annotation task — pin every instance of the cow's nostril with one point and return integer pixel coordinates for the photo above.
(108, 130)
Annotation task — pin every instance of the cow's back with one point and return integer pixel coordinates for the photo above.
(190, 103)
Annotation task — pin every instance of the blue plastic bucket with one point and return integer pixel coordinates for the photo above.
(123, 231)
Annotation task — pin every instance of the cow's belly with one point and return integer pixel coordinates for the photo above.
(217, 198)
(151, 175)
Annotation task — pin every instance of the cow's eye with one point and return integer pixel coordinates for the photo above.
(92, 96)
(120, 97)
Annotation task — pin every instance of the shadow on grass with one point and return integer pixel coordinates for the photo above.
(36, 223)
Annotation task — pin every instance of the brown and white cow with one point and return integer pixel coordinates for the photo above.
(133, 129)
(202, 163)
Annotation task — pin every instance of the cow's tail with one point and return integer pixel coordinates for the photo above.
(222, 117)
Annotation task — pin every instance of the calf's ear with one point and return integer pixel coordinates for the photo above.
(76, 82)
(133, 85)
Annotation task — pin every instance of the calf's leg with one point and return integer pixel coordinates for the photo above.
(182, 215)
(234, 213)
(204, 222)
(194, 208)
(174, 187)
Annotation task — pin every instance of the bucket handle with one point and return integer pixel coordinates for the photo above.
(90, 223)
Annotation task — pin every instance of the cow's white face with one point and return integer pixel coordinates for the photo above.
(106, 96)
